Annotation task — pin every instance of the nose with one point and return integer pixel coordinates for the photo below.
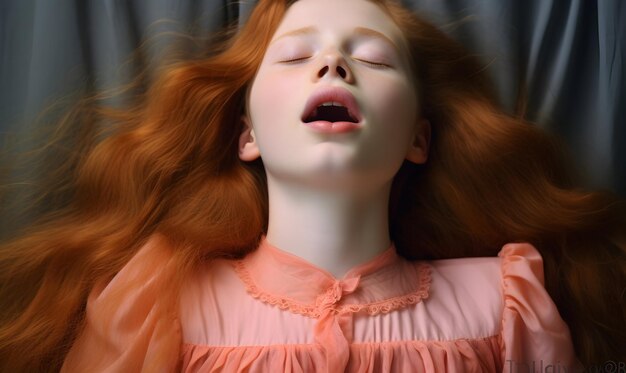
(334, 65)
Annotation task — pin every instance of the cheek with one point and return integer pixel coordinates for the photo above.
(267, 98)
(274, 112)
(394, 106)
(393, 111)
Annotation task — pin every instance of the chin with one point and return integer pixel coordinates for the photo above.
(339, 156)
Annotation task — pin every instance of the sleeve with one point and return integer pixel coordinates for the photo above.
(534, 337)
(131, 324)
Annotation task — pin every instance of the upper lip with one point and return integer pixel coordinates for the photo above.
(332, 94)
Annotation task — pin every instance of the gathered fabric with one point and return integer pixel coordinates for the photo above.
(463, 355)
(274, 311)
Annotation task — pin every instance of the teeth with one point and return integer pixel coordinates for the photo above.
(331, 104)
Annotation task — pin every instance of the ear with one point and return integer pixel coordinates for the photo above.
(418, 152)
(248, 148)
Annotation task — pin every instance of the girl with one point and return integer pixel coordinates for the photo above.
(286, 205)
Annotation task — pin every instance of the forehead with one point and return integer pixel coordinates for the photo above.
(339, 16)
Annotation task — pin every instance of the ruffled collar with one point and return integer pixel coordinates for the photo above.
(385, 283)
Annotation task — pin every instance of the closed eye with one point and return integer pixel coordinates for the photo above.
(372, 63)
(295, 60)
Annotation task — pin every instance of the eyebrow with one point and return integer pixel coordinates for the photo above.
(301, 31)
(361, 31)
(364, 31)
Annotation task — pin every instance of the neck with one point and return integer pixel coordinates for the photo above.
(333, 230)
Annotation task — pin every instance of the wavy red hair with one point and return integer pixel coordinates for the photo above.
(171, 167)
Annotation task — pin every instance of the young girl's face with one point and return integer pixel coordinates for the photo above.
(348, 54)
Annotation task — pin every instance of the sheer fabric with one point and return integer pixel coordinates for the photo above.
(273, 311)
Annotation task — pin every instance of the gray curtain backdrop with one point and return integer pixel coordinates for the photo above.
(566, 56)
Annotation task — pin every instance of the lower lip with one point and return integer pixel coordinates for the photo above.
(332, 127)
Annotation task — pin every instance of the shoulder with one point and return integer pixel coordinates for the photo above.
(473, 280)
(472, 292)
(465, 298)
(480, 270)
(131, 318)
(505, 296)
(532, 327)
(483, 273)
(150, 269)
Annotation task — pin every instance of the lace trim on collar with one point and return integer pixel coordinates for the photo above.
(314, 311)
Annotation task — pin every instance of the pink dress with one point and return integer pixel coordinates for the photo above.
(275, 312)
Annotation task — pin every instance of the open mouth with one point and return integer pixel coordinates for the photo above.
(330, 112)
(331, 105)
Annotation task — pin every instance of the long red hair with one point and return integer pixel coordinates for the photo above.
(171, 167)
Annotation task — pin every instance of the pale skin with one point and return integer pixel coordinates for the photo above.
(329, 192)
